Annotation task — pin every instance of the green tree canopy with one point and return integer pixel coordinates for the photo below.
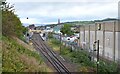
(11, 24)
(66, 29)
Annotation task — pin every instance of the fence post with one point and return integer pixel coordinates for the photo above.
(103, 54)
(89, 37)
(114, 40)
(79, 38)
(60, 43)
(84, 36)
(95, 32)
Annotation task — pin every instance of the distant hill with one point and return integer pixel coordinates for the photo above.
(90, 22)
(107, 19)
(84, 22)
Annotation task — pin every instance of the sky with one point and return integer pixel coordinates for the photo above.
(49, 11)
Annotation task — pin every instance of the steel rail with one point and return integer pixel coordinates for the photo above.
(47, 57)
(56, 61)
(53, 53)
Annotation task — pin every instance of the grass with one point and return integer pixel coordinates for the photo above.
(16, 58)
(82, 57)
(55, 44)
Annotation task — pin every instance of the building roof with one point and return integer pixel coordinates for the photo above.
(31, 26)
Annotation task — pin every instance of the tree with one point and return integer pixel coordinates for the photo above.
(66, 29)
(11, 24)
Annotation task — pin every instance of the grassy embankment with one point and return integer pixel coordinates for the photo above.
(54, 44)
(81, 57)
(17, 58)
(0, 54)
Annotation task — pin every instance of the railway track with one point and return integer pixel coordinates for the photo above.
(49, 54)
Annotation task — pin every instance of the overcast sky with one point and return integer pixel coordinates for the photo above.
(48, 11)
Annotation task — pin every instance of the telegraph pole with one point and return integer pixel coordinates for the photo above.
(98, 28)
(97, 56)
(60, 35)
(60, 43)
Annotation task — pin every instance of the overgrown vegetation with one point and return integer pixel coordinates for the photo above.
(55, 44)
(66, 29)
(83, 58)
(53, 40)
(50, 36)
(16, 58)
(11, 24)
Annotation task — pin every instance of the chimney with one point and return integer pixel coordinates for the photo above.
(58, 21)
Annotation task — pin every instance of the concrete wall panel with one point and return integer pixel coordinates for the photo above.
(92, 39)
(109, 45)
(100, 38)
(109, 38)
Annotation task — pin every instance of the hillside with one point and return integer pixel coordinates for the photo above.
(18, 58)
(83, 22)
(0, 54)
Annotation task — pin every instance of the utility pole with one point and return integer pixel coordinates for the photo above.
(60, 35)
(60, 43)
(97, 55)
(99, 28)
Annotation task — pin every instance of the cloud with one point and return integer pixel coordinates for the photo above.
(63, 0)
(62, 10)
(40, 11)
(29, 21)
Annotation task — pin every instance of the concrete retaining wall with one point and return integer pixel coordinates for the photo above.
(108, 35)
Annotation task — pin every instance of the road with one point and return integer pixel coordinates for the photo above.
(51, 57)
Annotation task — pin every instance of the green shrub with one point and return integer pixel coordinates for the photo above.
(55, 42)
(107, 67)
(65, 51)
(11, 60)
(50, 35)
(82, 58)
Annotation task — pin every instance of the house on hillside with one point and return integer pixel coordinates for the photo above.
(75, 28)
(48, 29)
(31, 27)
(57, 28)
(40, 28)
